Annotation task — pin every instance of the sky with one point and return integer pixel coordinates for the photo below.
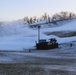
(17, 9)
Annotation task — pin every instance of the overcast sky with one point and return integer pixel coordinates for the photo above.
(17, 9)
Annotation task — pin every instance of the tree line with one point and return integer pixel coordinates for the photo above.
(58, 16)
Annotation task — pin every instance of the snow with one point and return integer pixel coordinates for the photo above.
(67, 39)
(15, 43)
(5, 59)
(18, 36)
(41, 22)
(71, 26)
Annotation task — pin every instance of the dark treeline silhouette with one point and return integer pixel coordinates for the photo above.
(58, 16)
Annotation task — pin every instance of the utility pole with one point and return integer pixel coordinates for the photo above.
(38, 33)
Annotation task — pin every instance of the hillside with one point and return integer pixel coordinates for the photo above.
(68, 29)
(19, 36)
(14, 49)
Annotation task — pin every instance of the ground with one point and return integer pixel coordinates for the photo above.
(60, 61)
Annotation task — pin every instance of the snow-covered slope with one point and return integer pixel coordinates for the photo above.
(19, 36)
(50, 23)
(71, 26)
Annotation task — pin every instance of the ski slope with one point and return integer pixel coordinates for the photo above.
(18, 36)
(70, 26)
